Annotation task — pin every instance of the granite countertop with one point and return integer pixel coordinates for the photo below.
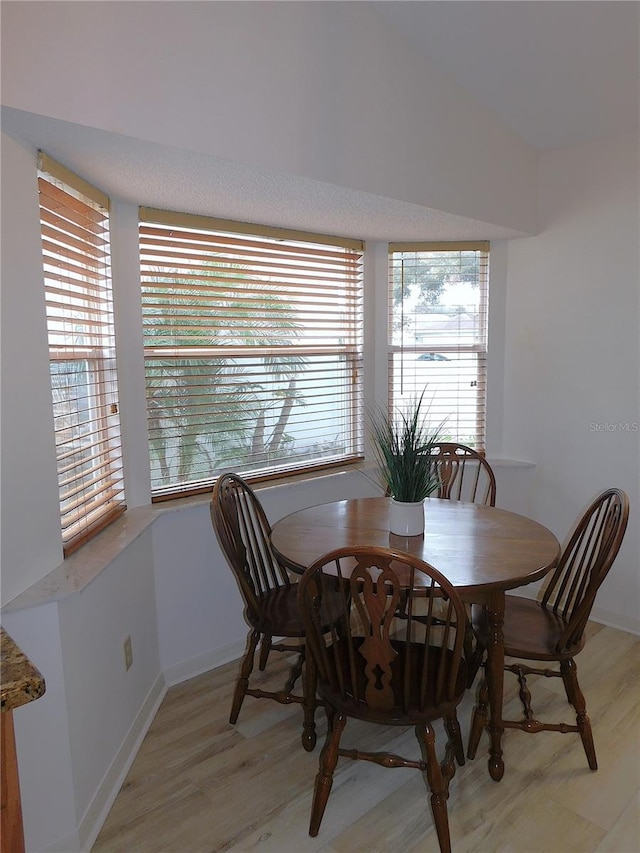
(21, 681)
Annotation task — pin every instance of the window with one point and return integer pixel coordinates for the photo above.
(253, 350)
(438, 296)
(74, 220)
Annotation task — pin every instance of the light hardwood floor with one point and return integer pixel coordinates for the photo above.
(200, 785)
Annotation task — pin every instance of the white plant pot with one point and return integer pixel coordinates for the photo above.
(406, 519)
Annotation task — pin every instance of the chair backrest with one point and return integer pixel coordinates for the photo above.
(585, 560)
(243, 532)
(368, 660)
(465, 475)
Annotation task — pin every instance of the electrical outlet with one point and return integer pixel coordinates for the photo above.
(128, 653)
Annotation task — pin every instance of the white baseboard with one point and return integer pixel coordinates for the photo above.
(71, 844)
(615, 620)
(95, 816)
(203, 663)
(105, 796)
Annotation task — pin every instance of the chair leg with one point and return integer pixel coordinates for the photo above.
(569, 673)
(309, 704)
(452, 727)
(479, 719)
(468, 646)
(438, 784)
(324, 779)
(295, 672)
(265, 648)
(242, 683)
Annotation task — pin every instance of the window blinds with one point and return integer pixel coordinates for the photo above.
(77, 277)
(253, 349)
(438, 303)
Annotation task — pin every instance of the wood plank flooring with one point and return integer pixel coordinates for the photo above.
(200, 785)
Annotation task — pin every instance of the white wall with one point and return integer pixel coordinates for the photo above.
(42, 734)
(75, 743)
(572, 373)
(31, 543)
(320, 90)
(102, 696)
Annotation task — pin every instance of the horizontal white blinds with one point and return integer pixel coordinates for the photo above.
(77, 277)
(438, 304)
(252, 350)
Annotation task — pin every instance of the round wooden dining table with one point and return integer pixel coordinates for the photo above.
(482, 550)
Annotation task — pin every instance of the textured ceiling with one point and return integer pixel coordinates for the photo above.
(556, 73)
(173, 179)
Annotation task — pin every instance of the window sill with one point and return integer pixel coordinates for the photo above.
(85, 565)
(82, 567)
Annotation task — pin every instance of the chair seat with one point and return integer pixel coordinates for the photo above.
(422, 707)
(279, 614)
(530, 631)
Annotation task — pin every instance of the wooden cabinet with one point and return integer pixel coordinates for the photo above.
(11, 831)
(21, 683)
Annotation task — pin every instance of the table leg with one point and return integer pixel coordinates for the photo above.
(494, 673)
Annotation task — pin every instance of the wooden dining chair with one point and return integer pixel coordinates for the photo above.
(552, 629)
(465, 475)
(270, 598)
(376, 668)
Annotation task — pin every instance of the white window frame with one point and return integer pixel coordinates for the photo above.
(447, 363)
(81, 331)
(228, 272)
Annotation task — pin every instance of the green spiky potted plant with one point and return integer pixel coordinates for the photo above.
(403, 444)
